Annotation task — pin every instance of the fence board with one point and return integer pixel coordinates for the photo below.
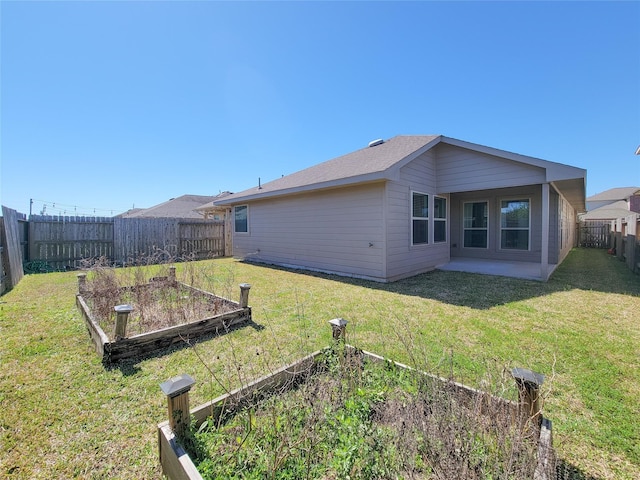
(11, 249)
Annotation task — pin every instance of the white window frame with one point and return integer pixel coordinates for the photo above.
(425, 219)
(476, 228)
(443, 220)
(528, 228)
(240, 232)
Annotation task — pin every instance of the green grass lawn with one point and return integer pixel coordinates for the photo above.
(64, 415)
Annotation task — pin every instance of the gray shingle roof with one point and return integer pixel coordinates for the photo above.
(612, 211)
(381, 162)
(366, 163)
(621, 193)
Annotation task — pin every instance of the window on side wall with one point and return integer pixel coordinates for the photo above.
(475, 224)
(419, 218)
(241, 225)
(439, 219)
(514, 224)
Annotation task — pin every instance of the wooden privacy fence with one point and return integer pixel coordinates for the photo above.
(60, 243)
(595, 234)
(66, 242)
(12, 240)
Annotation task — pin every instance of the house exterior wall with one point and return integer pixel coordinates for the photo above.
(404, 259)
(365, 230)
(336, 231)
(493, 197)
(462, 170)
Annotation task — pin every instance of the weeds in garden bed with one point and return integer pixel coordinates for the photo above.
(358, 418)
(157, 301)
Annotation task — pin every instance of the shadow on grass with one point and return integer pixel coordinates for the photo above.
(583, 269)
(566, 471)
(129, 366)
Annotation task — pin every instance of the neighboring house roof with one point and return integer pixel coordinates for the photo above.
(210, 206)
(613, 194)
(180, 207)
(129, 212)
(383, 162)
(610, 211)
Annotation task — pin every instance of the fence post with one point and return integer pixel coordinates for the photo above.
(338, 328)
(82, 283)
(172, 274)
(529, 392)
(244, 295)
(177, 391)
(122, 315)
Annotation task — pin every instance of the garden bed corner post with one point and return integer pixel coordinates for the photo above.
(122, 315)
(82, 283)
(244, 295)
(529, 384)
(177, 391)
(338, 329)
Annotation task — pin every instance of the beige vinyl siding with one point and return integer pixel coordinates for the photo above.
(328, 231)
(461, 170)
(404, 259)
(493, 197)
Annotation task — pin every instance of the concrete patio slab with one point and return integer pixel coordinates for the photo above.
(524, 270)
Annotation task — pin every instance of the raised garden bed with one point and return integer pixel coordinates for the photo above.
(146, 318)
(397, 417)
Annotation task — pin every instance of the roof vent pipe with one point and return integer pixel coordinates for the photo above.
(373, 143)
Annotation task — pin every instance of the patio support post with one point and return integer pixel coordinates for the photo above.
(177, 391)
(122, 315)
(529, 384)
(338, 328)
(82, 283)
(244, 295)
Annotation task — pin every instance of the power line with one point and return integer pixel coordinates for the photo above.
(48, 207)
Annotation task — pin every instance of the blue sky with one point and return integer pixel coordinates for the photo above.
(109, 105)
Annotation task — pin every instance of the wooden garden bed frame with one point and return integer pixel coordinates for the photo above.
(147, 343)
(177, 464)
